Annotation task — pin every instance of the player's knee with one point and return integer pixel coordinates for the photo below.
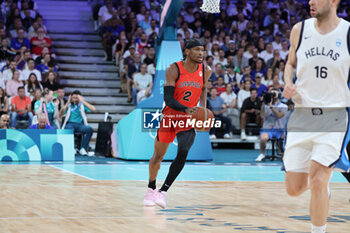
(157, 157)
(318, 183)
(294, 190)
(264, 137)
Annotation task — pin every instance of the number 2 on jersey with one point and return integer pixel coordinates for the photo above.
(187, 96)
(321, 72)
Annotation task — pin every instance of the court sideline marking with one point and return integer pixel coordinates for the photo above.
(74, 173)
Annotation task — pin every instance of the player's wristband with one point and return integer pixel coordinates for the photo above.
(170, 101)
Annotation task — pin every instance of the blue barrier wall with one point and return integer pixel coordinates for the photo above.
(36, 145)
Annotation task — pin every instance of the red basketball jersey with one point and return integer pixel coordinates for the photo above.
(188, 87)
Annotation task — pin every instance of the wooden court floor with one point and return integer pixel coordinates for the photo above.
(41, 198)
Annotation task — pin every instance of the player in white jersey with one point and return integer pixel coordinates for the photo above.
(320, 52)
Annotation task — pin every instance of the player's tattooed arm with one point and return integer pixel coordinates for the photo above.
(203, 98)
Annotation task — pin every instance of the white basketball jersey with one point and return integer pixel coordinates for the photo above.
(323, 66)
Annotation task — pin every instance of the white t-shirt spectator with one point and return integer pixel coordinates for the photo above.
(284, 54)
(143, 80)
(27, 72)
(149, 31)
(151, 69)
(217, 60)
(7, 75)
(240, 25)
(102, 10)
(276, 46)
(265, 55)
(228, 99)
(181, 31)
(247, 55)
(242, 95)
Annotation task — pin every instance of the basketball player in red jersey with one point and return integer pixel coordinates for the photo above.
(184, 86)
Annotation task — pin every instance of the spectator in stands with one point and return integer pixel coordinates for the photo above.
(285, 50)
(19, 41)
(231, 49)
(30, 69)
(250, 112)
(142, 44)
(280, 71)
(220, 86)
(21, 108)
(209, 60)
(44, 67)
(61, 103)
(259, 86)
(218, 107)
(142, 84)
(42, 123)
(276, 82)
(4, 102)
(28, 20)
(46, 106)
(267, 81)
(244, 93)
(40, 41)
(32, 30)
(267, 54)
(17, 25)
(153, 28)
(221, 59)
(230, 75)
(4, 121)
(32, 84)
(40, 59)
(76, 119)
(145, 24)
(150, 56)
(259, 68)
(22, 62)
(254, 59)
(184, 28)
(214, 51)
(230, 99)
(277, 43)
(39, 20)
(274, 61)
(272, 112)
(13, 85)
(250, 51)
(133, 66)
(8, 74)
(239, 60)
(37, 96)
(5, 51)
(218, 73)
(51, 82)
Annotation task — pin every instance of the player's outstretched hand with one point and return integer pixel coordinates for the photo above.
(191, 111)
(289, 90)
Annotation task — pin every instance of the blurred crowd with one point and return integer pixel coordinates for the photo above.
(246, 45)
(30, 92)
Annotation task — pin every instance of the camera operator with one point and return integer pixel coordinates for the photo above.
(273, 112)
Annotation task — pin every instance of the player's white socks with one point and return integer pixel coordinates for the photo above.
(321, 229)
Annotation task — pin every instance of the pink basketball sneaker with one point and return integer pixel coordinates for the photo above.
(160, 199)
(149, 197)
